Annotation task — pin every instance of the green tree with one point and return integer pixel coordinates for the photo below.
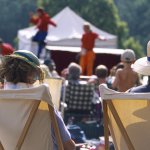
(14, 16)
(136, 14)
(102, 13)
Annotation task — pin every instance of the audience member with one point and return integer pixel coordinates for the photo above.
(52, 67)
(102, 73)
(46, 71)
(5, 48)
(21, 70)
(142, 66)
(126, 77)
(74, 72)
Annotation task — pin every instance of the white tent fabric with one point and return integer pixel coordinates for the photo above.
(67, 33)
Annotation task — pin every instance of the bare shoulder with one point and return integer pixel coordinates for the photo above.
(119, 71)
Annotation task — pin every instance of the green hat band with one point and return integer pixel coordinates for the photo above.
(28, 57)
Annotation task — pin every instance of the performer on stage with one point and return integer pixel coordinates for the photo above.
(87, 55)
(42, 20)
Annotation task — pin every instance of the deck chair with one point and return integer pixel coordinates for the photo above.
(127, 117)
(26, 117)
(55, 85)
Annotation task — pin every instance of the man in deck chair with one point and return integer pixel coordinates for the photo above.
(21, 70)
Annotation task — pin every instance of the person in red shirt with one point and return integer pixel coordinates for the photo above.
(87, 55)
(42, 20)
(5, 48)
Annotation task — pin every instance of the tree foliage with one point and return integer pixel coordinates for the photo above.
(102, 13)
(136, 14)
(14, 16)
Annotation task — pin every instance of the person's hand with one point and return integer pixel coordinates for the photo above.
(83, 51)
(102, 38)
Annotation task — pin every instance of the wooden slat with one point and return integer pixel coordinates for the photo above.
(27, 125)
(106, 129)
(56, 128)
(120, 125)
(1, 146)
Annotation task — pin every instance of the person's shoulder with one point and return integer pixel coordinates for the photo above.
(140, 89)
(119, 71)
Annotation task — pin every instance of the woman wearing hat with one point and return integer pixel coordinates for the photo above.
(20, 70)
(142, 66)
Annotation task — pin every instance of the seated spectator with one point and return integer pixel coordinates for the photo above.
(5, 48)
(52, 67)
(21, 70)
(126, 77)
(142, 67)
(46, 71)
(78, 94)
(102, 73)
(74, 72)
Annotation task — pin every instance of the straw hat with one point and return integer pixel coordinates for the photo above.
(26, 56)
(29, 58)
(142, 65)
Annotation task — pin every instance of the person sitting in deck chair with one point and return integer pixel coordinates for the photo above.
(20, 70)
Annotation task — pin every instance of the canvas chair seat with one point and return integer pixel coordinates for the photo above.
(128, 117)
(55, 85)
(25, 121)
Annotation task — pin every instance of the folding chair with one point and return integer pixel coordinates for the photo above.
(55, 85)
(26, 117)
(127, 115)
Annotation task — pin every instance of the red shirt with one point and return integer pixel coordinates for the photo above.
(42, 22)
(88, 40)
(6, 49)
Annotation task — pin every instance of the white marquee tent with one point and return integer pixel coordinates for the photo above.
(67, 34)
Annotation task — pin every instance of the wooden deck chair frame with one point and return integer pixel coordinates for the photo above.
(58, 85)
(29, 122)
(107, 95)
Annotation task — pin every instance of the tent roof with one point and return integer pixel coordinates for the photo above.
(70, 25)
(67, 33)
(70, 29)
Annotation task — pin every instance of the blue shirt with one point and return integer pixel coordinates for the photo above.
(65, 135)
(140, 89)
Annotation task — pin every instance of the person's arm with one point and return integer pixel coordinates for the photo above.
(52, 23)
(34, 19)
(68, 143)
(102, 38)
(116, 80)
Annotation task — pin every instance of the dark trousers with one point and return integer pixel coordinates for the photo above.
(40, 39)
